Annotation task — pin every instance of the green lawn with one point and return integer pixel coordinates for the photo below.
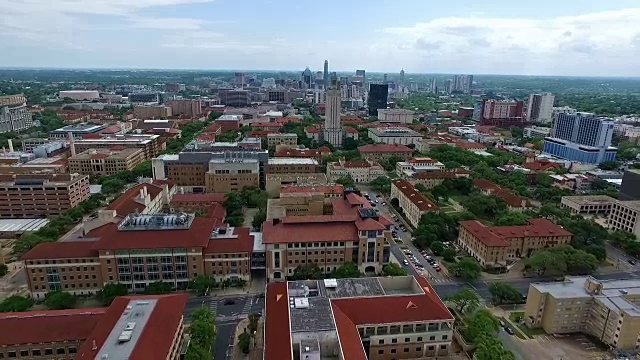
(517, 315)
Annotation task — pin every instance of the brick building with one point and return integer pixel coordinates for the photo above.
(282, 165)
(151, 145)
(376, 152)
(411, 201)
(36, 195)
(105, 162)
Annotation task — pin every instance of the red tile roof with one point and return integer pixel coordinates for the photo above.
(128, 203)
(541, 165)
(386, 148)
(311, 130)
(196, 236)
(205, 198)
(310, 231)
(485, 185)
(500, 235)
(157, 335)
(243, 243)
(61, 250)
(351, 130)
(110, 129)
(277, 334)
(355, 199)
(218, 212)
(261, 133)
(510, 198)
(266, 124)
(41, 327)
(369, 224)
(349, 338)
(284, 120)
(415, 196)
(206, 137)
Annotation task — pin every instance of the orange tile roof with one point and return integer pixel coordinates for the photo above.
(266, 124)
(351, 130)
(41, 327)
(500, 235)
(243, 243)
(311, 130)
(127, 203)
(277, 334)
(61, 250)
(415, 196)
(196, 236)
(156, 336)
(386, 148)
(350, 341)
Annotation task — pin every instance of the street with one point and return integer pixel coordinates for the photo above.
(227, 317)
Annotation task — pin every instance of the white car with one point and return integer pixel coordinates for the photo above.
(405, 262)
(435, 265)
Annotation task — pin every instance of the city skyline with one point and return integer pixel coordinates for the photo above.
(430, 38)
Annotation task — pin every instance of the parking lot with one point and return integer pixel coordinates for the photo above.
(563, 347)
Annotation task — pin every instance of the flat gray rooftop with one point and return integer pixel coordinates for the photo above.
(348, 288)
(317, 317)
(120, 345)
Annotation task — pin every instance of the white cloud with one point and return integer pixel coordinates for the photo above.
(167, 23)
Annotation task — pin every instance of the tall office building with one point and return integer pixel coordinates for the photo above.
(307, 78)
(581, 137)
(540, 108)
(402, 77)
(327, 81)
(384, 79)
(361, 75)
(462, 84)
(502, 113)
(240, 80)
(332, 130)
(433, 85)
(378, 94)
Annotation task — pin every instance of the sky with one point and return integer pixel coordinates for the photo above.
(541, 37)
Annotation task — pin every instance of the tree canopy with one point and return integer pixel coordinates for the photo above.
(466, 268)
(59, 300)
(464, 301)
(393, 269)
(347, 270)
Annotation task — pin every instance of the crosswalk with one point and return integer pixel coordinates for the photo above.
(213, 305)
(248, 302)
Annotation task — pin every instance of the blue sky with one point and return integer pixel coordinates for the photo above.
(542, 37)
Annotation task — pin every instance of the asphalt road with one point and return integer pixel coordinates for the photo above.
(227, 317)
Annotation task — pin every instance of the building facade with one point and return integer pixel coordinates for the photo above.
(151, 145)
(37, 195)
(332, 131)
(14, 115)
(604, 309)
(396, 116)
(411, 201)
(394, 135)
(186, 107)
(284, 165)
(630, 187)
(581, 137)
(377, 99)
(105, 162)
(282, 139)
(540, 108)
(624, 216)
(588, 205)
(502, 113)
(377, 152)
(498, 245)
(359, 171)
(232, 175)
(152, 112)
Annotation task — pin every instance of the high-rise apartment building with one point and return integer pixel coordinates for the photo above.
(14, 115)
(462, 84)
(332, 131)
(361, 76)
(540, 108)
(37, 195)
(562, 110)
(581, 137)
(433, 85)
(604, 309)
(187, 107)
(502, 113)
(378, 95)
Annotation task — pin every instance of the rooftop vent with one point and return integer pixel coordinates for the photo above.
(301, 303)
(330, 283)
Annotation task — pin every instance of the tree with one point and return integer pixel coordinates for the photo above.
(464, 300)
(307, 272)
(4, 269)
(481, 322)
(562, 260)
(490, 348)
(381, 184)
(346, 181)
(59, 300)
(158, 288)
(196, 352)
(16, 303)
(609, 165)
(511, 218)
(393, 269)
(214, 115)
(347, 270)
(487, 206)
(111, 291)
(202, 283)
(203, 330)
(449, 255)
(259, 218)
(504, 293)
(253, 322)
(244, 342)
(437, 247)
(467, 268)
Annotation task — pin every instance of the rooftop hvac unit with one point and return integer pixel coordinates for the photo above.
(301, 303)
(330, 283)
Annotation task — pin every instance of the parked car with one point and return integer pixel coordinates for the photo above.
(405, 262)
(438, 268)
(509, 330)
(632, 262)
(502, 324)
(435, 265)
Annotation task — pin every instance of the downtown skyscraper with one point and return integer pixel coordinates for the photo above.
(327, 81)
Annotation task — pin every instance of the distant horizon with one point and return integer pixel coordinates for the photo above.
(17, 68)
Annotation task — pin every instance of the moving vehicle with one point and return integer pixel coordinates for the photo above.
(438, 268)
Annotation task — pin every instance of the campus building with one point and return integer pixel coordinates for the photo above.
(497, 245)
(37, 195)
(377, 152)
(151, 145)
(366, 318)
(359, 171)
(304, 200)
(139, 250)
(105, 162)
(353, 233)
(588, 204)
(411, 201)
(605, 309)
(132, 327)
(624, 216)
